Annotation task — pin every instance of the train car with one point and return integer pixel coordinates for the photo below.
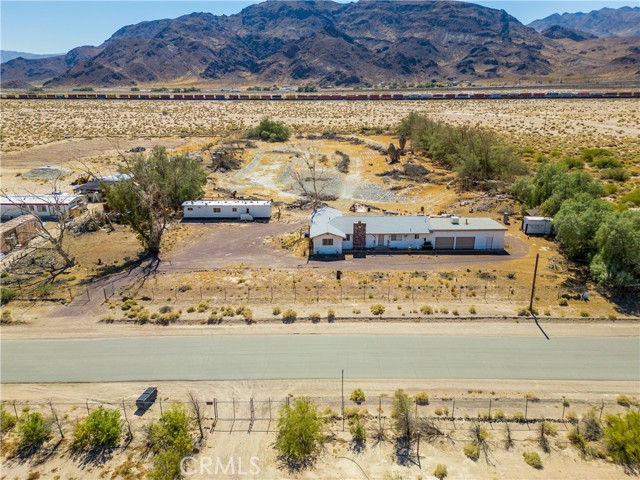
(234, 97)
(636, 94)
(625, 94)
(596, 95)
(245, 97)
(437, 96)
(525, 95)
(385, 96)
(265, 97)
(462, 96)
(398, 96)
(611, 95)
(374, 96)
(449, 96)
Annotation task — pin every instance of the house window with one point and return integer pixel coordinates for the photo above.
(327, 242)
(216, 210)
(416, 236)
(42, 208)
(395, 238)
(32, 208)
(234, 209)
(348, 237)
(190, 209)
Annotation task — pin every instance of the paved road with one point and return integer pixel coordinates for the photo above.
(310, 356)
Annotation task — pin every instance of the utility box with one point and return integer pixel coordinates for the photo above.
(149, 396)
(537, 225)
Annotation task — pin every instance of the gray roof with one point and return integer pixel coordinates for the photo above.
(329, 220)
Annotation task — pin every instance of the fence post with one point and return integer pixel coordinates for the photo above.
(87, 403)
(526, 407)
(271, 301)
(601, 409)
(453, 408)
(489, 409)
(215, 410)
(104, 291)
(160, 403)
(317, 294)
(88, 296)
(15, 410)
(200, 292)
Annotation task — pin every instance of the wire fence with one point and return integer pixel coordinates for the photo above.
(261, 415)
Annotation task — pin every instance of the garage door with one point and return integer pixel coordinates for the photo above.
(465, 243)
(444, 243)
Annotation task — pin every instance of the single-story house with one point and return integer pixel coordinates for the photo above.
(93, 188)
(332, 233)
(47, 207)
(537, 225)
(18, 231)
(228, 209)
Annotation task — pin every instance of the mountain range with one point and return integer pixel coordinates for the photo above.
(326, 43)
(606, 22)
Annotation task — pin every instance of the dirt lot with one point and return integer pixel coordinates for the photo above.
(231, 438)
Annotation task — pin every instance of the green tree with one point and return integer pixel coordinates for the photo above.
(577, 222)
(622, 438)
(33, 431)
(618, 241)
(170, 440)
(160, 184)
(101, 430)
(270, 131)
(7, 421)
(299, 438)
(402, 415)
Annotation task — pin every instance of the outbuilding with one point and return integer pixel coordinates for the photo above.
(247, 210)
(537, 225)
(18, 231)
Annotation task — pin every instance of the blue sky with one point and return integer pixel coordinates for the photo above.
(51, 26)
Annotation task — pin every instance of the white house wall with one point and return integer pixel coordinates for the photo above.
(42, 211)
(335, 249)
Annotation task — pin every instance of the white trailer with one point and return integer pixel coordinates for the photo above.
(246, 210)
(537, 225)
(50, 206)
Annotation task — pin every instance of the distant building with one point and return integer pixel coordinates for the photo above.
(18, 231)
(247, 210)
(537, 225)
(46, 207)
(333, 233)
(93, 188)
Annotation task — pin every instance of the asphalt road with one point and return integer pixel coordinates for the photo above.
(310, 356)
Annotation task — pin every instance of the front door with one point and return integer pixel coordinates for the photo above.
(381, 240)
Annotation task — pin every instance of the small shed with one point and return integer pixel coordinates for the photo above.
(537, 225)
(18, 231)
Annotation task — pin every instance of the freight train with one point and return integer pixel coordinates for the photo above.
(315, 96)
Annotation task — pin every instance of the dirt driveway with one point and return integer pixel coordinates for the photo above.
(213, 245)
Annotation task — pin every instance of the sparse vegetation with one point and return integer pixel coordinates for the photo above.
(357, 396)
(440, 472)
(377, 309)
(101, 430)
(33, 431)
(622, 439)
(532, 459)
(170, 441)
(270, 131)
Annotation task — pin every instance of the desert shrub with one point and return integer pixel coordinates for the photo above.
(276, 311)
(299, 437)
(616, 174)
(577, 440)
(440, 471)
(7, 421)
(606, 162)
(170, 440)
(498, 414)
(572, 418)
(563, 302)
(455, 312)
(5, 317)
(331, 315)
(591, 427)
(6, 295)
(191, 309)
(270, 130)
(342, 165)
(421, 398)
(102, 429)
(247, 314)
(165, 309)
(33, 431)
(626, 401)
(203, 306)
(314, 317)
(228, 312)
(357, 396)
(377, 309)
(532, 459)
(632, 197)
(426, 310)
(184, 288)
(472, 451)
(590, 154)
(472, 310)
(358, 431)
(289, 315)
(128, 304)
(622, 439)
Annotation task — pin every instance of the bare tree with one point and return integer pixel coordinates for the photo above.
(196, 408)
(312, 178)
(56, 419)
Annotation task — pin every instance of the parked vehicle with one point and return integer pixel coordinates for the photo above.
(145, 400)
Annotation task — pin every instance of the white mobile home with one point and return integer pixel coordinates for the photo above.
(228, 209)
(44, 206)
(537, 225)
(332, 233)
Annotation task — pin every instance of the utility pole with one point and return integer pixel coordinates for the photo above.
(533, 285)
